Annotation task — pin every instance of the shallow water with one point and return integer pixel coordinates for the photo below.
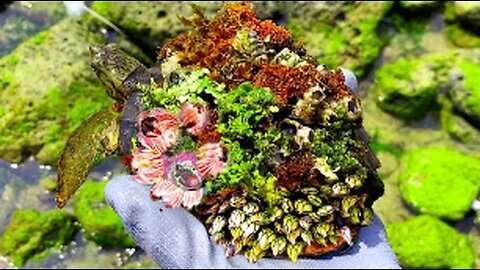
(20, 189)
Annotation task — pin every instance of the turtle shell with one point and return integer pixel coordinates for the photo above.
(260, 142)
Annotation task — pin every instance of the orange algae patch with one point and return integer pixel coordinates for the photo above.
(210, 46)
(286, 82)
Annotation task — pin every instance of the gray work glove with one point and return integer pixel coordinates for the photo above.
(174, 238)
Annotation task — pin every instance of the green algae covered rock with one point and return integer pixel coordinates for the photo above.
(465, 90)
(339, 33)
(419, 6)
(456, 126)
(25, 19)
(468, 12)
(440, 181)
(47, 89)
(408, 88)
(101, 224)
(457, 30)
(427, 242)
(152, 23)
(33, 235)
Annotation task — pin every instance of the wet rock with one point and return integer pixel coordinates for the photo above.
(468, 12)
(408, 88)
(420, 6)
(340, 33)
(31, 235)
(427, 242)
(462, 31)
(49, 183)
(152, 23)
(465, 90)
(101, 224)
(24, 19)
(456, 126)
(440, 181)
(47, 89)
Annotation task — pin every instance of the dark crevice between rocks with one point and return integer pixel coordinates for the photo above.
(4, 5)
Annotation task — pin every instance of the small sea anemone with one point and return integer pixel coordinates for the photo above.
(182, 184)
(148, 165)
(158, 129)
(193, 117)
(212, 159)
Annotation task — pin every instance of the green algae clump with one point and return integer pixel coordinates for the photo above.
(101, 224)
(427, 242)
(439, 181)
(465, 92)
(32, 235)
(340, 33)
(408, 88)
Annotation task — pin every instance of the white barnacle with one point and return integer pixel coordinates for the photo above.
(322, 166)
(347, 235)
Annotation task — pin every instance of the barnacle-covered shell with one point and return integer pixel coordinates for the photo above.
(279, 151)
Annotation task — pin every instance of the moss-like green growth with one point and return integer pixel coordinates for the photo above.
(338, 145)
(31, 235)
(242, 109)
(23, 21)
(341, 34)
(440, 181)
(465, 92)
(49, 183)
(427, 242)
(468, 13)
(420, 6)
(241, 112)
(456, 126)
(408, 88)
(101, 224)
(461, 37)
(455, 30)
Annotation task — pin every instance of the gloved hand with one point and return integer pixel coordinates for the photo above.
(174, 238)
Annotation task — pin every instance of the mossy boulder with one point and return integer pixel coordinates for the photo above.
(47, 89)
(440, 181)
(465, 90)
(420, 6)
(31, 235)
(427, 242)
(468, 12)
(456, 126)
(408, 88)
(101, 224)
(152, 23)
(340, 33)
(23, 20)
(460, 31)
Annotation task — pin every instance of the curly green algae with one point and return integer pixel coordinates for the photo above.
(32, 235)
(101, 224)
(427, 242)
